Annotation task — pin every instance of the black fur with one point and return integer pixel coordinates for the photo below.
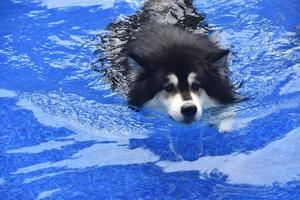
(163, 49)
(111, 54)
(179, 46)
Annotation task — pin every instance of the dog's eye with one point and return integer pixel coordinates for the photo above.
(195, 86)
(169, 88)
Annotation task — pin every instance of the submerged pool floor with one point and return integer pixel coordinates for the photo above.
(65, 135)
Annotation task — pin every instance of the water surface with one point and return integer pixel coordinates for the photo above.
(66, 135)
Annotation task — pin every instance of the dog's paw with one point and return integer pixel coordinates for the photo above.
(226, 125)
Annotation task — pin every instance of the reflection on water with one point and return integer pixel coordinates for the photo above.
(7, 93)
(104, 4)
(231, 122)
(277, 162)
(65, 135)
(46, 194)
(293, 85)
(2, 181)
(85, 118)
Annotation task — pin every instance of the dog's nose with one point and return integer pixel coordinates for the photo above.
(189, 110)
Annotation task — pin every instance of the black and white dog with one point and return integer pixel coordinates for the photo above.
(161, 59)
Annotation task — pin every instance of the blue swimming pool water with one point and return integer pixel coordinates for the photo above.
(65, 135)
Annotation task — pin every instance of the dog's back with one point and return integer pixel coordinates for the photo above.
(174, 12)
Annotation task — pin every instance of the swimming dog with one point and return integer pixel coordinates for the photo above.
(161, 58)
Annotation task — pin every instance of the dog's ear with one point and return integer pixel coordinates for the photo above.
(135, 65)
(219, 57)
(135, 61)
(219, 62)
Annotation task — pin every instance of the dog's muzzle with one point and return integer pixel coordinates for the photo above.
(189, 112)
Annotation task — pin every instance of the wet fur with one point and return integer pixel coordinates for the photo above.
(166, 37)
(164, 49)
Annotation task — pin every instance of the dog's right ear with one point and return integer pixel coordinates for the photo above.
(219, 57)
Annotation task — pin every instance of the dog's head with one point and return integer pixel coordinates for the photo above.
(178, 73)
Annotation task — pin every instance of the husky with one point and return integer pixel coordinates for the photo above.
(161, 58)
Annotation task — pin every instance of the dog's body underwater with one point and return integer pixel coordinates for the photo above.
(165, 63)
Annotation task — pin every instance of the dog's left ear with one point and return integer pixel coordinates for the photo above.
(219, 62)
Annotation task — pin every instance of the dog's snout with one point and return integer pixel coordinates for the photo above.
(189, 110)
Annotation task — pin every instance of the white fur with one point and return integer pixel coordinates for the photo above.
(192, 78)
(173, 79)
(172, 103)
